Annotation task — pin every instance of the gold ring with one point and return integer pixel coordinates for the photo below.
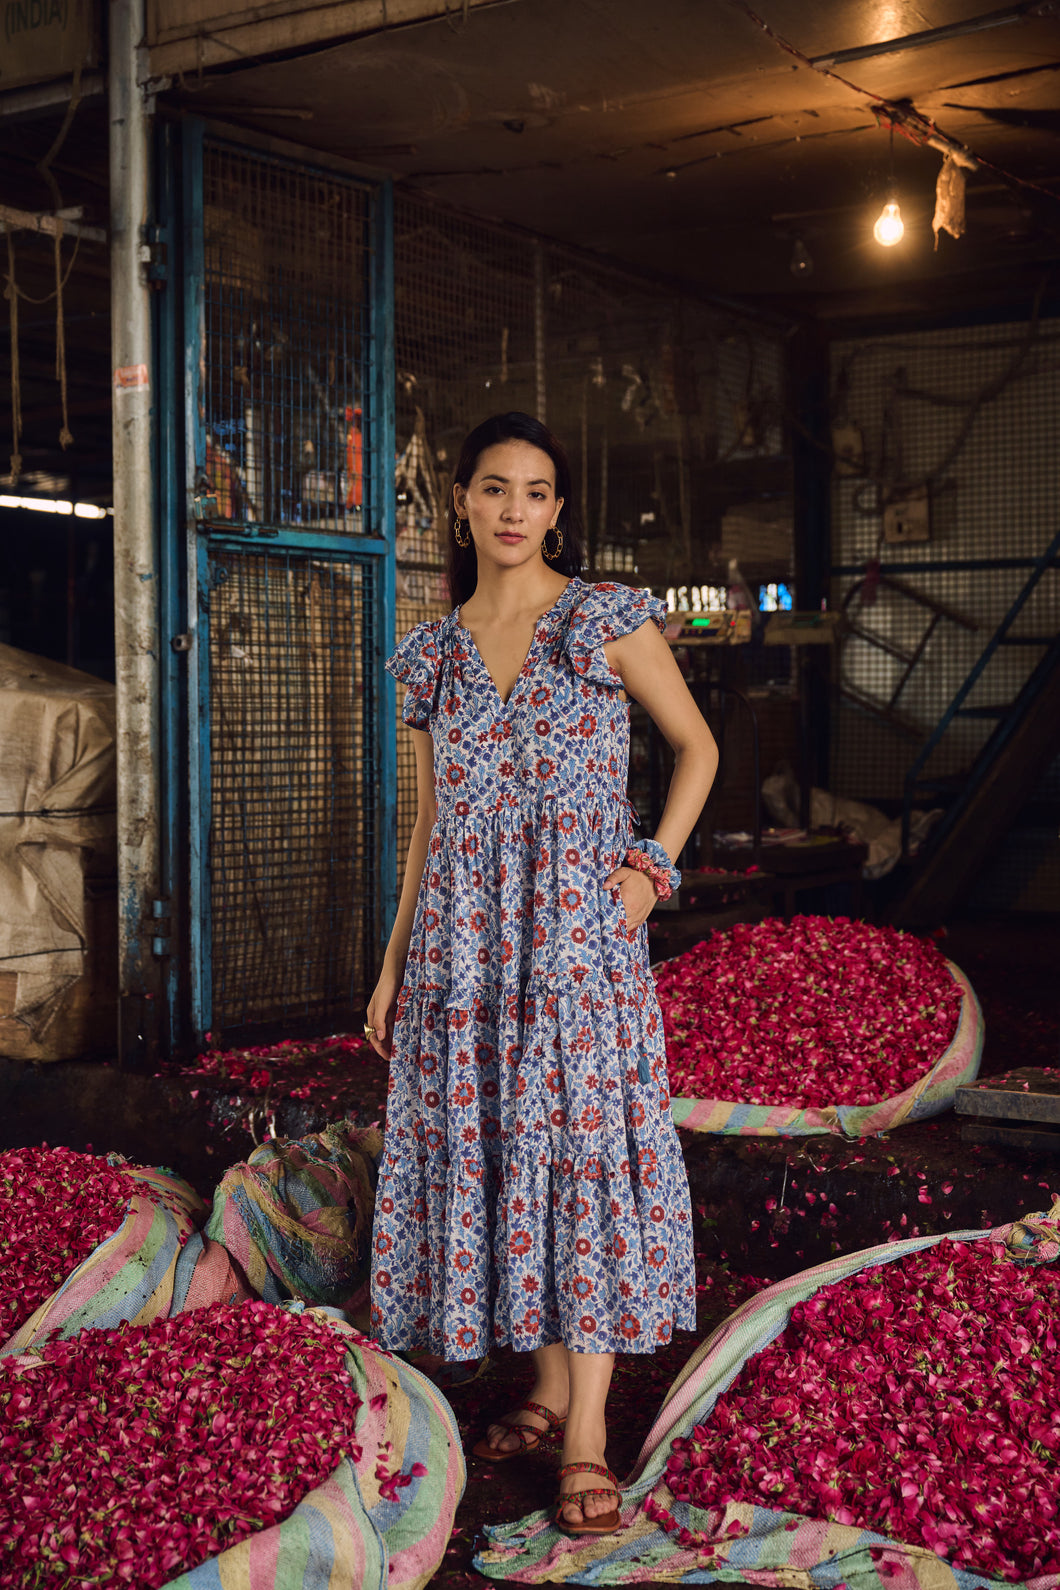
(369, 1032)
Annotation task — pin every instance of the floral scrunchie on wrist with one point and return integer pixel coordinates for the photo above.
(650, 858)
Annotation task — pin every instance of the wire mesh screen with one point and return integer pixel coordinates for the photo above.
(751, 387)
(464, 326)
(293, 830)
(288, 428)
(668, 408)
(956, 476)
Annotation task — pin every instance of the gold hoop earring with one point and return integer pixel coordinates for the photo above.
(552, 556)
(465, 539)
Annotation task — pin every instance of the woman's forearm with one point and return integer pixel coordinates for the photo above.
(397, 949)
(651, 676)
(695, 765)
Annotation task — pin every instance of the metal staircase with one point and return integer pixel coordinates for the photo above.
(987, 798)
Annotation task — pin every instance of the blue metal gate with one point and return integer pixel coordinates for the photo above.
(279, 722)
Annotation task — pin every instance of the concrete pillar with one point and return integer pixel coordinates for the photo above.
(136, 561)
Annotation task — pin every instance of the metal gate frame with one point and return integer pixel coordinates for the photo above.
(185, 932)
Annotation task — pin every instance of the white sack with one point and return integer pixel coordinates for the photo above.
(57, 798)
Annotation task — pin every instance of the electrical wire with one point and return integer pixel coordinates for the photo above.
(888, 481)
(912, 123)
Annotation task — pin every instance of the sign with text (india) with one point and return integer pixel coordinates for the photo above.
(43, 39)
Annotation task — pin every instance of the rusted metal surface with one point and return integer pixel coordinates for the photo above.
(136, 613)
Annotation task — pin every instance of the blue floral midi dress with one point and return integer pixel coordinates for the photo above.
(532, 1188)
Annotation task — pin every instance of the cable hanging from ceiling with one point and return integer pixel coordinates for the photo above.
(958, 158)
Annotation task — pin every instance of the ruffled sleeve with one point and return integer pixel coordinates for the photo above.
(607, 612)
(416, 664)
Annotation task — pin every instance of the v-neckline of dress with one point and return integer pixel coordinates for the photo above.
(528, 660)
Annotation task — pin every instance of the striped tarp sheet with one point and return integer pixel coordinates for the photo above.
(130, 1275)
(345, 1533)
(779, 1549)
(934, 1092)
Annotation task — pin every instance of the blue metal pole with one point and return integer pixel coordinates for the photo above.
(170, 473)
(196, 563)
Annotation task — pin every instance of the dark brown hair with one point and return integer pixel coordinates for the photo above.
(515, 427)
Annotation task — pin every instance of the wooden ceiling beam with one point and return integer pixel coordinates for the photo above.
(184, 38)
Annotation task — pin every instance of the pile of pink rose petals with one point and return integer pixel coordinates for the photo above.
(128, 1456)
(297, 1068)
(809, 1012)
(56, 1207)
(916, 1398)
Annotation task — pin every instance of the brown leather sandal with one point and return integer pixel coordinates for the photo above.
(603, 1523)
(529, 1437)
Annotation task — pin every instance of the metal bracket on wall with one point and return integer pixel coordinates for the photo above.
(229, 527)
(160, 916)
(154, 257)
(215, 576)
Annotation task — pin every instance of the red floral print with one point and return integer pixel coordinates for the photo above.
(529, 966)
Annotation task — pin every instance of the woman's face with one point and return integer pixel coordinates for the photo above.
(510, 503)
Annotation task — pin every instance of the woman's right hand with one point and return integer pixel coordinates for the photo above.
(382, 1008)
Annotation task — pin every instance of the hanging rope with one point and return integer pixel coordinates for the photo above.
(11, 294)
(65, 434)
(44, 167)
(27, 298)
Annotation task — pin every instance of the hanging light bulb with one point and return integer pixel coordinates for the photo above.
(801, 262)
(889, 226)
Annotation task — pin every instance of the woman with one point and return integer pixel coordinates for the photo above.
(532, 1189)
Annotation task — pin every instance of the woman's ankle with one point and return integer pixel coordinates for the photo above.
(585, 1435)
(550, 1394)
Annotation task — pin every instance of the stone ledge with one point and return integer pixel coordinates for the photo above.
(834, 1195)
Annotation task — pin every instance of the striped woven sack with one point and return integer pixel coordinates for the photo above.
(206, 1273)
(935, 1092)
(130, 1275)
(346, 1533)
(297, 1216)
(772, 1548)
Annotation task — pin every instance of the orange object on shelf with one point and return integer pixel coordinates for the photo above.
(354, 459)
